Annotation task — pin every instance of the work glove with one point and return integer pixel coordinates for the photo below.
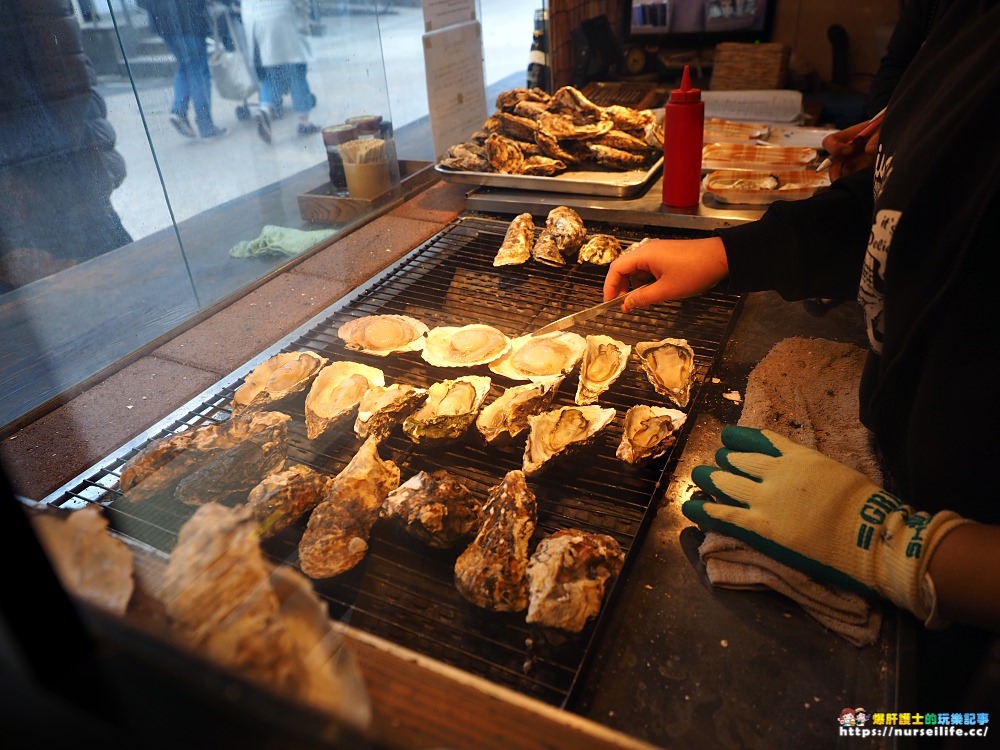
(816, 515)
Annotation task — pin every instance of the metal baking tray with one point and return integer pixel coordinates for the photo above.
(603, 183)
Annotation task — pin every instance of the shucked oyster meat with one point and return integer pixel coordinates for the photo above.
(557, 432)
(517, 242)
(383, 334)
(464, 346)
(435, 508)
(539, 357)
(450, 408)
(277, 378)
(383, 406)
(507, 415)
(335, 393)
(649, 432)
(604, 360)
(669, 365)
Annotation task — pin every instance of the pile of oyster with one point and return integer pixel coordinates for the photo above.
(537, 134)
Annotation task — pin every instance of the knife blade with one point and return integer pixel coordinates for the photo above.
(568, 321)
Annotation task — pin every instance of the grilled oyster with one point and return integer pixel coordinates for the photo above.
(464, 346)
(669, 365)
(507, 415)
(515, 127)
(571, 100)
(529, 109)
(616, 158)
(604, 360)
(551, 148)
(649, 432)
(567, 227)
(600, 249)
(538, 165)
(504, 154)
(277, 378)
(336, 537)
(568, 574)
(546, 250)
(335, 392)
(490, 573)
(554, 433)
(436, 508)
(572, 127)
(508, 100)
(539, 357)
(517, 242)
(451, 406)
(284, 496)
(624, 141)
(383, 334)
(382, 406)
(628, 119)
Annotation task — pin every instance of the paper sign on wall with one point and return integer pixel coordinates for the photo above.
(439, 14)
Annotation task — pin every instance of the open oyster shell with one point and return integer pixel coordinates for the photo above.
(382, 406)
(464, 346)
(335, 392)
(383, 334)
(555, 433)
(669, 365)
(277, 378)
(507, 415)
(604, 360)
(540, 357)
(649, 432)
(450, 408)
(436, 508)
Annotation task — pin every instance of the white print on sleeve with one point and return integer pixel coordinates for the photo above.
(872, 289)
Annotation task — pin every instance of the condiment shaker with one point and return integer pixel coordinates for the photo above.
(333, 137)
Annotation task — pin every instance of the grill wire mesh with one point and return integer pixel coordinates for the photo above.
(403, 591)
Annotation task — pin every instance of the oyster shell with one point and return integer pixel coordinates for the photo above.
(565, 126)
(335, 392)
(567, 577)
(600, 249)
(451, 407)
(464, 346)
(546, 249)
(539, 357)
(436, 508)
(383, 334)
(669, 365)
(382, 406)
(649, 432)
(336, 537)
(554, 433)
(604, 360)
(630, 120)
(566, 226)
(517, 242)
(538, 165)
(490, 573)
(284, 496)
(507, 415)
(616, 158)
(277, 378)
(504, 154)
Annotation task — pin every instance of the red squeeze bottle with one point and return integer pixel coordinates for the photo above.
(683, 135)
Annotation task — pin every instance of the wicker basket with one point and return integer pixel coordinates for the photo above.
(750, 66)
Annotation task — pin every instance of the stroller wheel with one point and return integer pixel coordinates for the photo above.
(243, 112)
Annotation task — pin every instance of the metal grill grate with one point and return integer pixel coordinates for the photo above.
(403, 591)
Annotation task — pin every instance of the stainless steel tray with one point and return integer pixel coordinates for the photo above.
(603, 183)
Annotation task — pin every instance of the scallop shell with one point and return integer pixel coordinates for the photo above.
(554, 433)
(335, 392)
(603, 361)
(507, 415)
(464, 346)
(383, 334)
(669, 365)
(649, 432)
(451, 407)
(538, 357)
(277, 378)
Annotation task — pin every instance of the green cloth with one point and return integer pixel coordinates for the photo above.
(274, 240)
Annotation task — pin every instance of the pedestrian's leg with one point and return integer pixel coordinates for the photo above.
(201, 86)
(301, 97)
(182, 88)
(267, 101)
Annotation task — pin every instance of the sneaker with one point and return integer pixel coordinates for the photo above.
(215, 132)
(308, 128)
(181, 124)
(264, 125)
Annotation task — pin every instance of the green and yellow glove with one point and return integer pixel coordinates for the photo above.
(816, 515)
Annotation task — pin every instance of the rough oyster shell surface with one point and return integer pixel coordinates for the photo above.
(669, 365)
(557, 432)
(599, 249)
(546, 250)
(336, 537)
(540, 357)
(566, 226)
(450, 408)
(277, 378)
(284, 496)
(335, 392)
(383, 334)
(649, 431)
(383, 406)
(517, 242)
(435, 508)
(464, 346)
(507, 415)
(604, 360)
(504, 154)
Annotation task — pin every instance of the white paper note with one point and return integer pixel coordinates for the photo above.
(767, 105)
(439, 14)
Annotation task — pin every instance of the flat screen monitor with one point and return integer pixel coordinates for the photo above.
(670, 24)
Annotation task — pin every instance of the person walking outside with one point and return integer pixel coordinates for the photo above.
(276, 31)
(184, 27)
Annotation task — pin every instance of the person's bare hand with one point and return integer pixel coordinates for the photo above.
(847, 157)
(679, 268)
